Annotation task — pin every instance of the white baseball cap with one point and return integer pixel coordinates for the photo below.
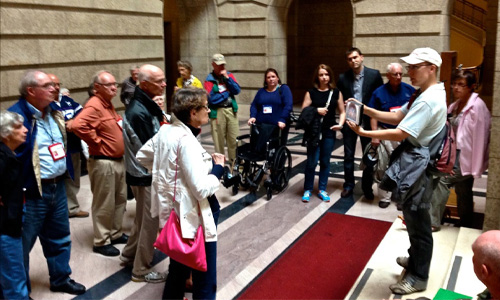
(421, 55)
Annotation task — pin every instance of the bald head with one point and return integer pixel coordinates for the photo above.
(151, 80)
(486, 260)
(57, 85)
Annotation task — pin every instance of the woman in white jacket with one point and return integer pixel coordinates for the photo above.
(179, 163)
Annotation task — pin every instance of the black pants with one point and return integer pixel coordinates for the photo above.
(418, 225)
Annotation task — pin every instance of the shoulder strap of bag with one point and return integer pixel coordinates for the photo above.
(329, 99)
(176, 164)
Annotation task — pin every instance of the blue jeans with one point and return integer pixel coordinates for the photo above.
(204, 283)
(47, 218)
(323, 153)
(12, 276)
(350, 139)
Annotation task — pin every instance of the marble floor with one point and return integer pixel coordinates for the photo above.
(253, 232)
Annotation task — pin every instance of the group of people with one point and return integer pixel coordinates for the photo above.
(161, 159)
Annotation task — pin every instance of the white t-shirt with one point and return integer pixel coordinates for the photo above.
(426, 117)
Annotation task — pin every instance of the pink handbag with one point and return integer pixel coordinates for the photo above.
(185, 251)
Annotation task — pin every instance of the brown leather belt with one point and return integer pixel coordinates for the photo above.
(53, 180)
(105, 157)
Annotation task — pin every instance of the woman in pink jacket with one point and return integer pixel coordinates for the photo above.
(471, 121)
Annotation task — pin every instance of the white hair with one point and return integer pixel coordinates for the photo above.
(7, 121)
(392, 66)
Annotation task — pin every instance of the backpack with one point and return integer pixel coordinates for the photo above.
(443, 151)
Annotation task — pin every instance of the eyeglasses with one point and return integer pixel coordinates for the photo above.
(158, 82)
(205, 107)
(415, 67)
(460, 85)
(108, 84)
(46, 86)
(397, 74)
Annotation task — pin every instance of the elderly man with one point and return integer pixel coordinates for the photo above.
(418, 122)
(143, 118)
(358, 82)
(70, 109)
(101, 128)
(128, 86)
(222, 86)
(44, 168)
(389, 97)
(486, 261)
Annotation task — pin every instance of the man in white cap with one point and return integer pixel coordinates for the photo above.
(418, 122)
(221, 86)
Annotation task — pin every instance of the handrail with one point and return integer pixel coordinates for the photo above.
(470, 12)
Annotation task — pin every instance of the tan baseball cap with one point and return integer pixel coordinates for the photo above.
(218, 59)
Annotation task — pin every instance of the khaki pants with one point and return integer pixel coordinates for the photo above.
(73, 185)
(224, 130)
(143, 233)
(107, 182)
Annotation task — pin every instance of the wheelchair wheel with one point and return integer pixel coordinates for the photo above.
(235, 188)
(282, 168)
(269, 192)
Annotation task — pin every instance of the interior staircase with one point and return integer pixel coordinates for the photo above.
(451, 266)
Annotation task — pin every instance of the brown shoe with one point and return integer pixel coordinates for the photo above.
(80, 214)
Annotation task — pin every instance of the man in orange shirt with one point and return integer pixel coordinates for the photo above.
(101, 128)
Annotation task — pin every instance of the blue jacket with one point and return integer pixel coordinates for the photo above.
(216, 98)
(26, 152)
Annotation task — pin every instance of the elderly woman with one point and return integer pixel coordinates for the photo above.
(471, 121)
(185, 178)
(12, 274)
(186, 80)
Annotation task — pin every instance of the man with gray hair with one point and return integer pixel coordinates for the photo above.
(128, 86)
(142, 120)
(100, 127)
(44, 168)
(486, 261)
(389, 97)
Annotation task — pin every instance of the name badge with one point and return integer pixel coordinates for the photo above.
(120, 122)
(394, 108)
(222, 88)
(57, 151)
(268, 109)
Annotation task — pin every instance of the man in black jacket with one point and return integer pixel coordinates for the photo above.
(141, 122)
(358, 82)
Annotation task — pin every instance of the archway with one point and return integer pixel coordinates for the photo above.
(190, 33)
(318, 31)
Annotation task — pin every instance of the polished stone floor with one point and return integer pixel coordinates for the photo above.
(253, 232)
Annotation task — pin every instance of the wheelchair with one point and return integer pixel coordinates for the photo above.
(261, 153)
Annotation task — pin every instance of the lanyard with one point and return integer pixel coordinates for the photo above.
(49, 132)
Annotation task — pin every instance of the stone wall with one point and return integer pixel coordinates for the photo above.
(492, 215)
(73, 39)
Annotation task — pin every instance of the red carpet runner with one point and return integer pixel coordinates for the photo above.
(324, 263)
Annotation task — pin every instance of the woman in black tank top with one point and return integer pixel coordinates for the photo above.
(326, 99)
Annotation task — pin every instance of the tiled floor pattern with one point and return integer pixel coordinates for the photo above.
(252, 233)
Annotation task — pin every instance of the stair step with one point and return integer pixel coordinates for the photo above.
(460, 275)
(382, 269)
